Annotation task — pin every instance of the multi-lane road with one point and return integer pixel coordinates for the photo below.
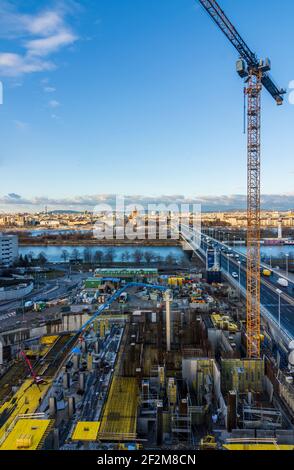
(276, 301)
(56, 289)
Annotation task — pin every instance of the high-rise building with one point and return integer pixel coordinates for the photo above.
(8, 249)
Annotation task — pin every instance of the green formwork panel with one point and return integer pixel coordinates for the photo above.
(242, 375)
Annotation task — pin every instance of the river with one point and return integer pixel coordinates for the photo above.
(278, 251)
(120, 253)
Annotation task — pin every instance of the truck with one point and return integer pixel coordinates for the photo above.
(28, 305)
(123, 298)
(283, 282)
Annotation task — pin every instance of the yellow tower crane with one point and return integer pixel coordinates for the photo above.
(256, 74)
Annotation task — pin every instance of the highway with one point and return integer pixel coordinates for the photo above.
(233, 264)
(57, 289)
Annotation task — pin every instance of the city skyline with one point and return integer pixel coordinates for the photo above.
(67, 131)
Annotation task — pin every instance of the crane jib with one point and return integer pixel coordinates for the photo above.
(252, 61)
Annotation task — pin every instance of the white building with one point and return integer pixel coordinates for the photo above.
(8, 249)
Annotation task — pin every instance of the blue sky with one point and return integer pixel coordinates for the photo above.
(136, 97)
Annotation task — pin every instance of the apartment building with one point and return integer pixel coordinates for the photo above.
(8, 249)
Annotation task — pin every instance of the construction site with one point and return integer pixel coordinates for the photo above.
(163, 367)
(189, 359)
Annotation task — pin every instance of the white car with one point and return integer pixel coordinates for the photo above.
(235, 275)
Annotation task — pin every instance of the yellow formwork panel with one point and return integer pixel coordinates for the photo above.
(176, 281)
(258, 447)
(119, 421)
(25, 401)
(48, 340)
(27, 434)
(86, 431)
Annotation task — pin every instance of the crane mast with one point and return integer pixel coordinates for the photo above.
(255, 72)
(253, 91)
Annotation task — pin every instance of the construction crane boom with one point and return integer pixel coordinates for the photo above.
(255, 72)
(251, 59)
(37, 380)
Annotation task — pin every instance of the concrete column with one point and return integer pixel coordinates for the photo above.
(82, 382)
(71, 406)
(66, 380)
(52, 407)
(168, 300)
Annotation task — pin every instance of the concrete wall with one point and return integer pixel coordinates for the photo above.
(15, 294)
(287, 393)
(217, 391)
(74, 321)
(1, 352)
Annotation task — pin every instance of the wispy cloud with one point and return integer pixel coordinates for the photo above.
(36, 38)
(53, 104)
(49, 89)
(21, 125)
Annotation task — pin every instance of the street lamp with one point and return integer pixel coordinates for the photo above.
(279, 292)
(287, 263)
(239, 263)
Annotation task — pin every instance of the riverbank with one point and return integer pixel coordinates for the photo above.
(94, 242)
(104, 253)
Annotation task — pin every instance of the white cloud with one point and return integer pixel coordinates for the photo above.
(55, 117)
(45, 23)
(50, 44)
(21, 125)
(53, 104)
(49, 89)
(209, 203)
(38, 35)
(12, 64)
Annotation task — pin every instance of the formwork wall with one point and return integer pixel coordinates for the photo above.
(190, 367)
(119, 421)
(243, 375)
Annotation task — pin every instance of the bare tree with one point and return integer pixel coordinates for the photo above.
(148, 256)
(170, 259)
(75, 254)
(109, 255)
(64, 255)
(87, 255)
(99, 256)
(42, 260)
(138, 256)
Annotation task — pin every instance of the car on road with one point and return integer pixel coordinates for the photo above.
(283, 282)
(235, 275)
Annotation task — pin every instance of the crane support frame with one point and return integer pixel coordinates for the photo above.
(256, 78)
(253, 92)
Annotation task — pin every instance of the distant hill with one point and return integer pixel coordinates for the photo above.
(64, 212)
